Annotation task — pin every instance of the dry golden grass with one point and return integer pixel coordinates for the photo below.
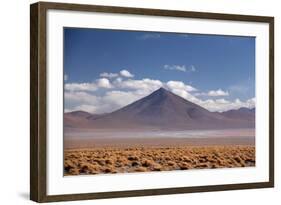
(145, 159)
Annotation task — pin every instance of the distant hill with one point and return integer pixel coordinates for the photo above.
(241, 113)
(80, 119)
(162, 110)
(79, 113)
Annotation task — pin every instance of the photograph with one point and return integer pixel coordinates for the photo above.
(144, 101)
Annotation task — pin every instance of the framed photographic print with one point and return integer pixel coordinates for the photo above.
(134, 102)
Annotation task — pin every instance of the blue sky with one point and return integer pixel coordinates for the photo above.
(204, 62)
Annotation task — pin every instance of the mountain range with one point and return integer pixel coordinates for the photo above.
(162, 110)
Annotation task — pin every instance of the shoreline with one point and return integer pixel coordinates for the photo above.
(156, 142)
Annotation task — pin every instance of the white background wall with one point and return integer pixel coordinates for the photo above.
(14, 101)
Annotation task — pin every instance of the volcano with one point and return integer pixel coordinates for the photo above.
(162, 110)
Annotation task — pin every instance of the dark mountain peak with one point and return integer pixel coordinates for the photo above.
(161, 89)
(164, 94)
(161, 108)
(161, 102)
(161, 92)
(157, 98)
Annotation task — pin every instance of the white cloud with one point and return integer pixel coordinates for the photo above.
(222, 101)
(219, 92)
(144, 84)
(109, 75)
(213, 93)
(251, 102)
(118, 80)
(118, 83)
(221, 105)
(126, 73)
(218, 105)
(100, 83)
(88, 108)
(180, 85)
(104, 83)
(181, 68)
(119, 99)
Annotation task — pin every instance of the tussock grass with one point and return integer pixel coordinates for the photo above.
(146, 159)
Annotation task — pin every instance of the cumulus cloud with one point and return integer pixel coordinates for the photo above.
(100, 83)
(109, 75)
(219, 92)
(172, 85)
(181, 68)
(221, 105)
(213, 93)
(65, 77)
(120, 99)
(144, 84)
(126, 73)
(118, 80)
(104, 83)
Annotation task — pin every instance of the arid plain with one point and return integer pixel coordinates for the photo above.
(143, 159)
(123, 155)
